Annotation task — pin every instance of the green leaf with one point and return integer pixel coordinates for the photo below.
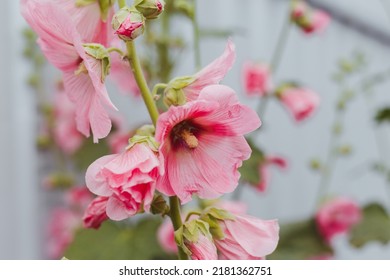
(299, 241)
(250, 168)
(89, 152)
(375, 226)
(114, 241)
(383, 115)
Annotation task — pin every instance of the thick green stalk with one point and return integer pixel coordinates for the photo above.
(141, 82)
(153, 112)
(174, 213)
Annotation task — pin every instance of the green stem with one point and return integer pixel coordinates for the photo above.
(275, 61)
(141, 82)
(113, 49)
(153, 112)
(174, 213)
(165, 64)
(330, 160)
(195, 26)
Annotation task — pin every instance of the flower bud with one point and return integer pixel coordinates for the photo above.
(151, 9)
(128, 24)
(159, 205)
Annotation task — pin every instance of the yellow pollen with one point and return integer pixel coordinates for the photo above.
(189, 138)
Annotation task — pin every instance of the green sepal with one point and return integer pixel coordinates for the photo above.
(146, 130)
(148, 140)
(213, 217)
(99, 52)
(189, 233)
(175, 97)
(148, 8)
(159, 205)
(181, 82)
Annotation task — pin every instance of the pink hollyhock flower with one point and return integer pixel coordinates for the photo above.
(300, 102)
(166, 237)
(257, 79)
(212, 74)
(66, 135)
(203, 249)
(265, 175)
(337, 216)
(127, 179)
(93, 24)
(61, 229)
(82, 73)
(247, 238)
(95, 214)
(203, 145)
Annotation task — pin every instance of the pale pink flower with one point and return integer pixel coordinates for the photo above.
(166, 237)
(337, 216)
(256, 78)
(83, 79)
(265, 175)
(203, 249)
(62, 226)
(301, 102)
(66, 135)
(203, 145)
(247, 238)
(127, 179)
(212, 74)
(95, 214)
(88, 21)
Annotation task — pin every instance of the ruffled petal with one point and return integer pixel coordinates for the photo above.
(231, 117)
(94, 180)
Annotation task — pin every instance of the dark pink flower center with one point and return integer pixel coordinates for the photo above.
(184, 134)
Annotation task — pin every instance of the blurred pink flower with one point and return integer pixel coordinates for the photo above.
(247, 238)
(265, 175)
(337, 216)
(166, 237)
(308, 19)
(203, 145)
(127, 179)
(82, 74)
(256, 78)
(118, 141)
(301, 102)
(61, 229)
(95, 214)
(318, 23)
(66, 135)
(78, 197)
(203, 249)
(212, 74)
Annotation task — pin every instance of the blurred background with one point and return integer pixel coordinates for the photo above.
(358, 28)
